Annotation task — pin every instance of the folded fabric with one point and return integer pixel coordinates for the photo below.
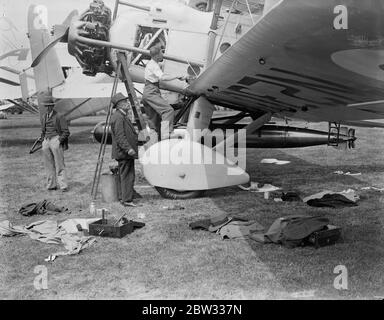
(275, 161)
(42, 207)
(290, 196)
(214, 223)
(373, 188)
(349, 194)
(267, 188)
(8, 230)
(348, 173)
(218, 220)
(239, 229)
(252, 186)
(332, 201)
(71, 225)
(74, 244)
(214, 228)
(318, 195)
(291, 230)
(201, 224)
(47, 231)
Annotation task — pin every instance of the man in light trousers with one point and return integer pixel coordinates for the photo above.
(54, 137)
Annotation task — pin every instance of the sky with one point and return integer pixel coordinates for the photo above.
(58, 10)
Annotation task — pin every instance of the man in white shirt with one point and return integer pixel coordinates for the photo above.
(160, 113)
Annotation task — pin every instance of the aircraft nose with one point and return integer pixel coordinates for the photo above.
(94, 24)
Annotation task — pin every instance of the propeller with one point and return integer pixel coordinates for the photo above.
(42, 54)
(61, 31)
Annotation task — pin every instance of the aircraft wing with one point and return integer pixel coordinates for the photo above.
(5, 107)
(11, 83)
(316, 60)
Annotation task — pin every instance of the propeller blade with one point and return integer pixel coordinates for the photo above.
(24, 86)
(61, 29)
(43, 53)
(67, 21)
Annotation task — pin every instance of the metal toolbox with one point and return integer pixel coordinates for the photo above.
(107, 228)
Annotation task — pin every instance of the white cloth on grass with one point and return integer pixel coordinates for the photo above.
(47, 231)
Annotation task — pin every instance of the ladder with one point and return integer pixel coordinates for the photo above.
(122, 72)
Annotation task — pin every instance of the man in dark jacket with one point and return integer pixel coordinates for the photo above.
(54, 137)
(124, 147)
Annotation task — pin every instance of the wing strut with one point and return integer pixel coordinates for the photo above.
(252, 127)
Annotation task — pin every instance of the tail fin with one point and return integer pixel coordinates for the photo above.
(48, 73)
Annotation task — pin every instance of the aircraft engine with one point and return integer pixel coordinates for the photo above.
(94, 24)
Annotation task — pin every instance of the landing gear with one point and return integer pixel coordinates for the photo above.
(178, 194)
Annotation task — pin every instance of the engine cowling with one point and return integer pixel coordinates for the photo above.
(97, 22)
(98, 132)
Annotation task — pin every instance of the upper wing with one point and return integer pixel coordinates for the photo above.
(6, 107)
(14, 58)
(299, 61)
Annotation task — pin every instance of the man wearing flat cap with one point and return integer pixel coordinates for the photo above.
(124, 147)
(54, 137)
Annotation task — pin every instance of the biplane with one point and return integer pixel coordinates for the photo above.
(315, 60)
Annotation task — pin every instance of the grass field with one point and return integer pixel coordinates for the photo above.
(167, 260)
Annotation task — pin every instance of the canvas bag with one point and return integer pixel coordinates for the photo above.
(292, 231)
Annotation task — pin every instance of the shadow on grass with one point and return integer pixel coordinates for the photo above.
(308, 268)
(167, 259)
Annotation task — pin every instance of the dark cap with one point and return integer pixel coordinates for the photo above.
(201, 3)
(47, 101)
(155, 50)
(117, 98)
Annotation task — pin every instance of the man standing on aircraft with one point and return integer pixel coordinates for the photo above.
(54, 137)
(160, 113)
(124, 147)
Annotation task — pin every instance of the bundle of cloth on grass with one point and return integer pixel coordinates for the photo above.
(228, 227)
(48, 231)
(331, 199)
(290, 231)
(289, 196)
(42, 207)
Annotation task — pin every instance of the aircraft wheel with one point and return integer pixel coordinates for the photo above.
(177, 194)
